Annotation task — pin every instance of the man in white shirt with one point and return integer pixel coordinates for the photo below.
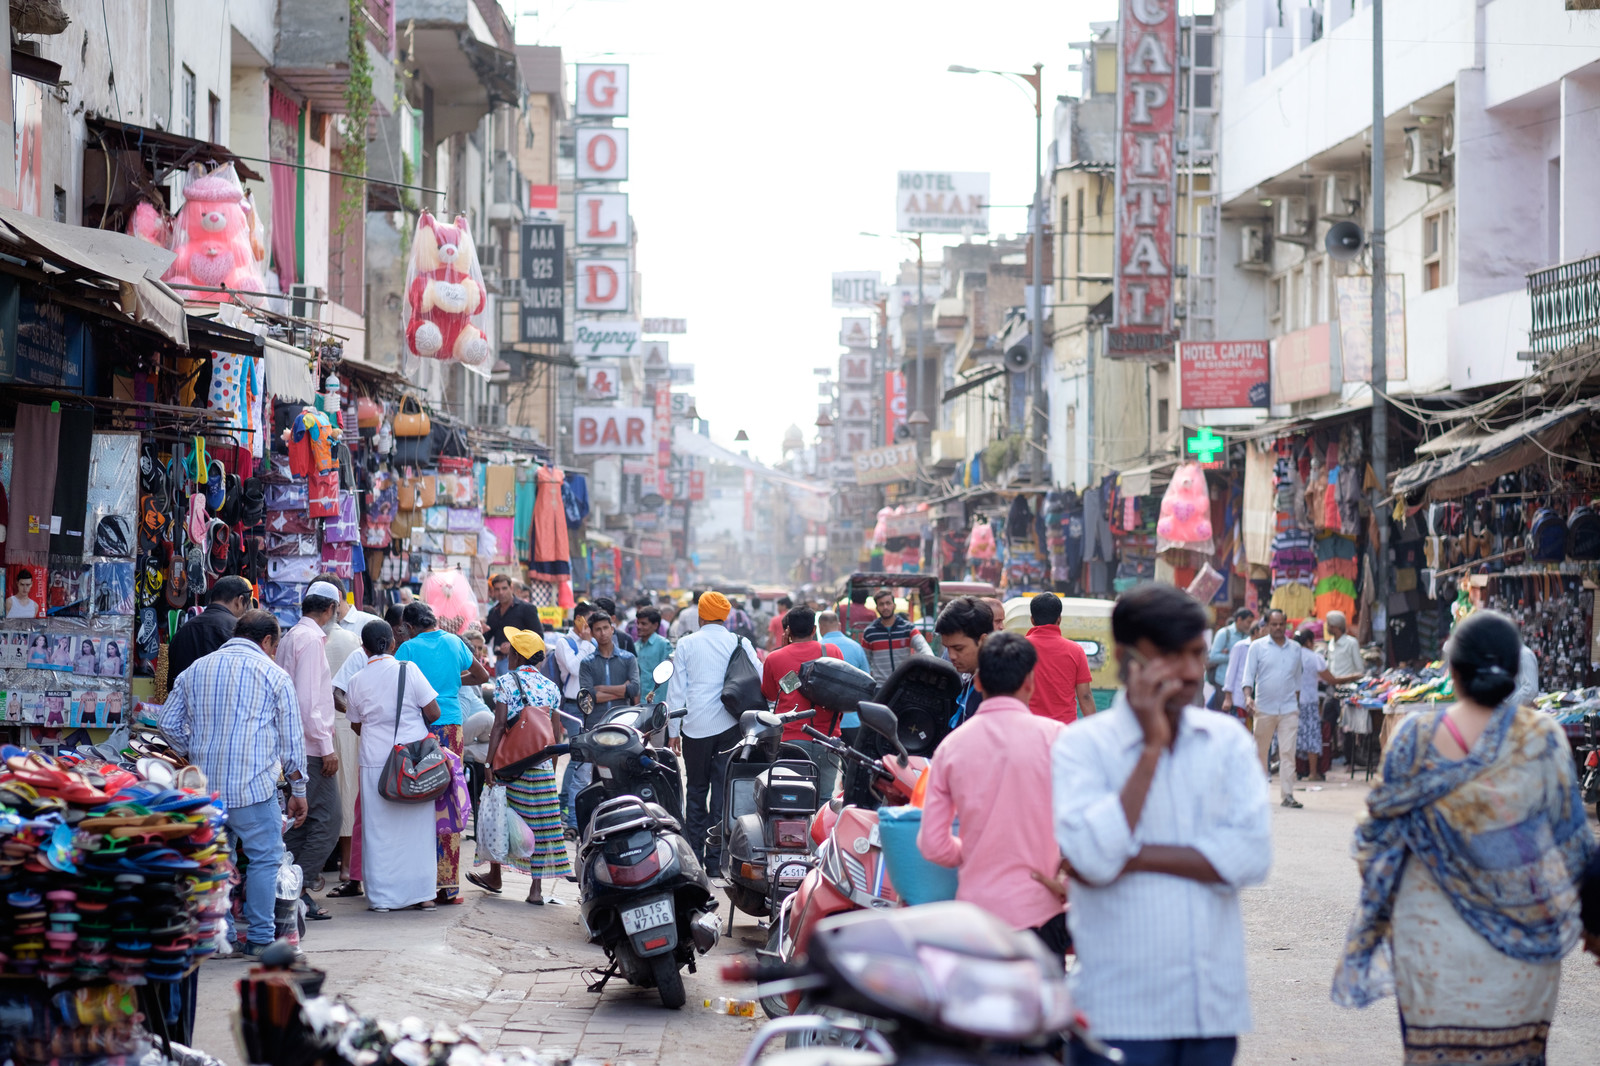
(1233, 682)
(1272, 676)
(1161, 819)
(1344, 651)
(700, 664)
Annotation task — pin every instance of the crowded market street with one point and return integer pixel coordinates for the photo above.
(517, 973)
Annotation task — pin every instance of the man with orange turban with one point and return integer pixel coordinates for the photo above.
(702, 662)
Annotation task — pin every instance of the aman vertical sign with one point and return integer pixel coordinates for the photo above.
(1147, 113)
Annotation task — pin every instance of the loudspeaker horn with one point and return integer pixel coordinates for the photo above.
(1344, 240)
(1018, 357)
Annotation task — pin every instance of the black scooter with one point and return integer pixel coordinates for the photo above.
(935, 985)
(645, 898)
(769, 796)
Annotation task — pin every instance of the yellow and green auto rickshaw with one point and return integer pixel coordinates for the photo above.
(1086, 621)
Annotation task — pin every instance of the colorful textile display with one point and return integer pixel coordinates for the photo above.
(551, 560)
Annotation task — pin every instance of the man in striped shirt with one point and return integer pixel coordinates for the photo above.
(1162, 817)
(234, 715)
(891, 639)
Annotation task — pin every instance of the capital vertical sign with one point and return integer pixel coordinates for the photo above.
(1147, 115)
(543, 283)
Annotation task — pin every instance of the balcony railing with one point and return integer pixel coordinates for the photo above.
(1566, 306)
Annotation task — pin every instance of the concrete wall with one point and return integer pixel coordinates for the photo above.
(1321, 96)
(1543, 42)
(1502, 179)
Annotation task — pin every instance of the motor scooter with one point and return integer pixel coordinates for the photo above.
(769, 794)
(645, 899)
(850, 872)
(932, 985)
(1589, 756)
(922, 693)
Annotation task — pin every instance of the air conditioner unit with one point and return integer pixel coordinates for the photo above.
(1447, 135)
(1340, 197)
(1291, 221)
(1252, 246)
(305, 301)
(1422, 162)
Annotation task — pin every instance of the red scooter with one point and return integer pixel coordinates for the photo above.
(850, 872)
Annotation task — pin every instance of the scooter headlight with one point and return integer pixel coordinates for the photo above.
(894, 981)
(610, 738)
(1016, 1000)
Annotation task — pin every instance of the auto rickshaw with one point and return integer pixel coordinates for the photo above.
(1087, 621)
(856, 611)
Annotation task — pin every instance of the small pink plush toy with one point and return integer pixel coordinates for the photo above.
(149, 224)
(212, 239)
(1186, 507)
(444, 294)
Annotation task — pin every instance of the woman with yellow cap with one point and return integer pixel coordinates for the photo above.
(533, 797)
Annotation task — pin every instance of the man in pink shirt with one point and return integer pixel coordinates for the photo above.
(302, 654)
(994, 775)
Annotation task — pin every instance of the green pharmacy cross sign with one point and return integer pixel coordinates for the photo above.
(1206, 446)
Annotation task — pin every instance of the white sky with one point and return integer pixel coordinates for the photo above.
(766, 137)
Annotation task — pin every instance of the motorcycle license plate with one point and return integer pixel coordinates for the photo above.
(650, 916)
(792, 873)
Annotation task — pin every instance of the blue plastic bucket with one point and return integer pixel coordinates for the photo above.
(915, 878)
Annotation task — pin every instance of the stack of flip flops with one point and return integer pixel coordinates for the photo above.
(106, 874)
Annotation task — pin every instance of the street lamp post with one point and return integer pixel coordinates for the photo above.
(1035, 301)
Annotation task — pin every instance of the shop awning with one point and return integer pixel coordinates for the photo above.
(210, 334)
(973, 383)
(1137, 482)
(1473, 463)
(134, 266)
(289, 375)
(164, 151)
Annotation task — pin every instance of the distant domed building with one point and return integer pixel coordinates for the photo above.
(793, 439)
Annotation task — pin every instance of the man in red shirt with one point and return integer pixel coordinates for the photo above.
(800, 630)
(775, 637)
(1061, 680)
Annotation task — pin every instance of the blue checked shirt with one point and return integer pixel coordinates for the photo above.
(1160, 957)
(235, 715)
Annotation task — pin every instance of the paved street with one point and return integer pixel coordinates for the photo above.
(517, 972)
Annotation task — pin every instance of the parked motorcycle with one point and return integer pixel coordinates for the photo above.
(937, 984)
(1589, 756)
(850, 872)
(645, 898)
(922, 693)
(769, 793)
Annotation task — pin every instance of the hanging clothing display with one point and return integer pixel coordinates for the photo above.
(551, 558)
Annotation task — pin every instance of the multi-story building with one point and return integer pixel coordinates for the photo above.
(1490, 131)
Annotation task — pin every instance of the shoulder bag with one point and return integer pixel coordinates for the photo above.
(530, 734)
(741, 683)
(416, 772)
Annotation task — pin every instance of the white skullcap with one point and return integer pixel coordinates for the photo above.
(324, 589)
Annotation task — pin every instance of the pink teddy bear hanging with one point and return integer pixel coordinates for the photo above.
(212, 239)
(1186, 507)
(445, 294)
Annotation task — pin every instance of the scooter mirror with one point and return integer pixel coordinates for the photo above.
(663, 672)
(788, 682)
(882, 721)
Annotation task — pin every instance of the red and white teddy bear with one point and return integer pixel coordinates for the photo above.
(445, 294)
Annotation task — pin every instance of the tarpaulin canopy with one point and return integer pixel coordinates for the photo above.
(1474, 463)
(133, 265)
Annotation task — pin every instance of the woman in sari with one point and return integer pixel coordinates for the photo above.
(448, 664)
(1470, 860)
(533, 796)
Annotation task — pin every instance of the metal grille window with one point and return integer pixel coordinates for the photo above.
(1438, 238)
(214, 118)
(187, 85)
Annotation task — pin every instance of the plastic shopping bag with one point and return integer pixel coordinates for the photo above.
(520, 843)
(454, 808)
(492, 817)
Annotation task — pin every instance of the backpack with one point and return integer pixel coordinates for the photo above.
(741, 683)
(549, 667)
(1547, 537)
(1583, 534)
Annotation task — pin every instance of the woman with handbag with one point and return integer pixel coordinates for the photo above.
(397, 839)
(525, 722)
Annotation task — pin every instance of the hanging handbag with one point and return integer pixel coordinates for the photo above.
(368, 414)
(416, 772)
(530, 734)
(412, 420)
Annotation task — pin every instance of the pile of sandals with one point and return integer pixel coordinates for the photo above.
(112, 873)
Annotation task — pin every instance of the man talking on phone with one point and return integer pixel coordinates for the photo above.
(1162, 816)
